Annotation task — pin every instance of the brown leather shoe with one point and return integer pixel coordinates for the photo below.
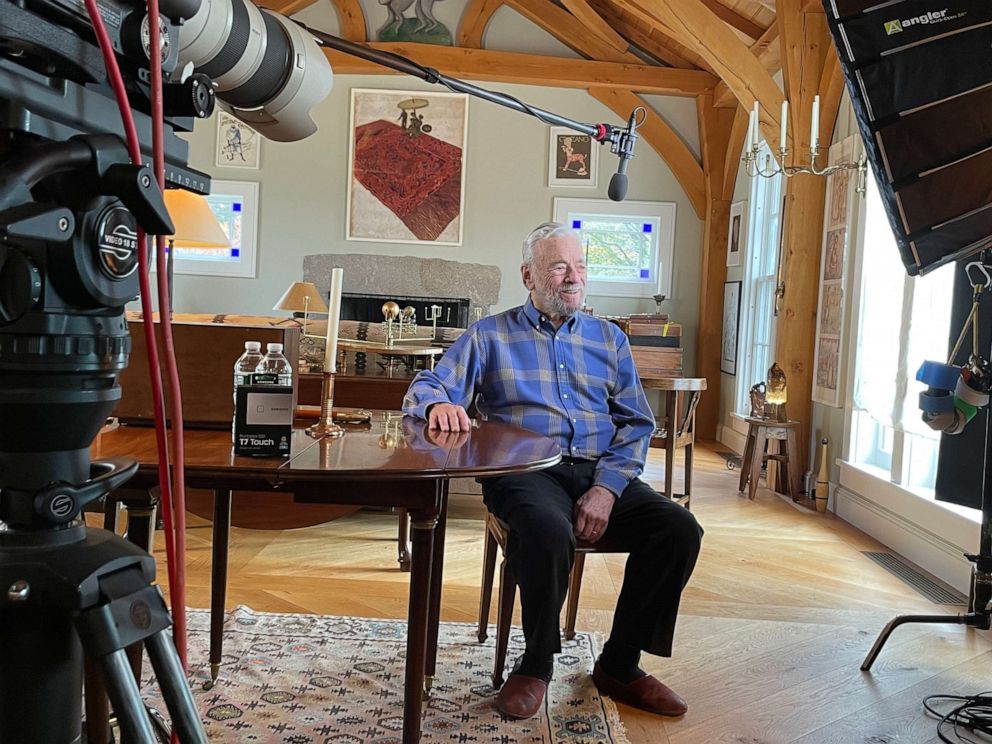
(521, 696)
(646, 693)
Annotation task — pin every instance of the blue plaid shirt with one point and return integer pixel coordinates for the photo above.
(576, 385)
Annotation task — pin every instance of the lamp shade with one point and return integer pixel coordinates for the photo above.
(196, 225)
(301, 297)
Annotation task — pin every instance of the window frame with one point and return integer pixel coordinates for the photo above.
(567, 209)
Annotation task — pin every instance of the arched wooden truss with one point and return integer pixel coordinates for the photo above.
(725, 54)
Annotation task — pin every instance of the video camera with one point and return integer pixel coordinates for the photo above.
(71, 203)
(264, 67)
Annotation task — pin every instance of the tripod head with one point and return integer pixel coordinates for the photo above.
(69, 217)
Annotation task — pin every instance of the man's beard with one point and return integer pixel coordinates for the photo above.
(557, 304)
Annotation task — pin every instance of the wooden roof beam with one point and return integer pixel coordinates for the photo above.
(734, 19)
(569, 30)
(720, 46)
(351, 19)
(475, 18)
(645, 38)
(663, 140)
(595, 23)
(532, 69)
(286, 7)
(805, 44)
(768, 52)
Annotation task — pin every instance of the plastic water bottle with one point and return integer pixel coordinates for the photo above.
(244, 368)
(274, 363)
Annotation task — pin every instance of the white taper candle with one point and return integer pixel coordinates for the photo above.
(784, 127)
(333, 321)
(814, 125)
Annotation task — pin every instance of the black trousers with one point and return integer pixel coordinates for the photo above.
(662, 537)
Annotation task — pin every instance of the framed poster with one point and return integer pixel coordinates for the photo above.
(736, 234)
(841, 203)
(406, 181)
(731, 324)
(238, 145)
(235, 204)
(573, 159)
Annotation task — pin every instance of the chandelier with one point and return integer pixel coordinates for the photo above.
(769, 169)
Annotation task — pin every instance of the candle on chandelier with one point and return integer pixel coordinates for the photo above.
(784, 128)
(814, 125)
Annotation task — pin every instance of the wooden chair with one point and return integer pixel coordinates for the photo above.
(496, 534)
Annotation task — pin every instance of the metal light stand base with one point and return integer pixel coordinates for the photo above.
(326, 427)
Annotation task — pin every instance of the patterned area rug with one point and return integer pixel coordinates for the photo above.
(319, 679)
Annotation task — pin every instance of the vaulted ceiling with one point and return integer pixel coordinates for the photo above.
(724, 53)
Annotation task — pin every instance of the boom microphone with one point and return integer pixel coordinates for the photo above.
(623, 146)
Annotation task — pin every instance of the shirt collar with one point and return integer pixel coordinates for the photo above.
(535, 316)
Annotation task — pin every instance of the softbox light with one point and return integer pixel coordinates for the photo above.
(920, 79)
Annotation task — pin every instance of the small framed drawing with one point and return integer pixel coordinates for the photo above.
(235, 205)
(731, 322)
(735, 234)
(572, 159)
(238, 145)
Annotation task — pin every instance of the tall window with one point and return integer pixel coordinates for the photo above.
(902, 322)
(760, 269)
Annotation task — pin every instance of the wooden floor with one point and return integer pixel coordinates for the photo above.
(774, 624)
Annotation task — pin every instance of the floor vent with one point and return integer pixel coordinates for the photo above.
(935, 592)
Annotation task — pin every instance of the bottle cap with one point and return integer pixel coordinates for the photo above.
(274, 348)
(253, 345)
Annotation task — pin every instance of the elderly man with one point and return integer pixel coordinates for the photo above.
(551, 369)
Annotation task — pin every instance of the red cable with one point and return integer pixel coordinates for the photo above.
(177, 590)
(127, 119)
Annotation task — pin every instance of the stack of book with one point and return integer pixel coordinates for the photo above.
(656, 344)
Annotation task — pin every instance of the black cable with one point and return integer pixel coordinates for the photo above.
(974, 714)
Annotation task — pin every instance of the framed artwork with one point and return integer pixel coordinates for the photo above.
(235, 204)
(735, 234)
(731, 324)
(841, 203)
(406, 173)
(238, 145)
(573, 159)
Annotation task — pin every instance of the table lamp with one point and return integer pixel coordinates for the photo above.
(776, 394)
(196, 227)
(301, 299)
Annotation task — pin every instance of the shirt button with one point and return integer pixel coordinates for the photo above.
(573, 421)
(564, 395)
(562, 366)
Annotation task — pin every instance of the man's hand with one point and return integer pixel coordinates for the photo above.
(592, 513)
(448, 417)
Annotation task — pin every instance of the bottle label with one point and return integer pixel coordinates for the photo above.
(264, 378)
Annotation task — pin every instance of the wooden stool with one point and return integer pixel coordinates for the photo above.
(758, 433)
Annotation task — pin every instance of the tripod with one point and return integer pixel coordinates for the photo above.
(83, 592)
(68, 265)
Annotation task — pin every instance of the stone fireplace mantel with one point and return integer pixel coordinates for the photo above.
(407, 276)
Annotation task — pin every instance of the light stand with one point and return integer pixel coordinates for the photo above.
(979, 613)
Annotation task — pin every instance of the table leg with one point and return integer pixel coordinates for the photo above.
(416, 642)
(218, 581)
(757, 457)
(403, 540)
(434, 609)
(671, 432)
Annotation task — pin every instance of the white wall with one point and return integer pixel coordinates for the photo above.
(302, 191)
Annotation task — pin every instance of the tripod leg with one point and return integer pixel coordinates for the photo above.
(175, 690)
(901, 620)
(126, 698)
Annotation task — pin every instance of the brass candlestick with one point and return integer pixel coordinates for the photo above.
(326, 427)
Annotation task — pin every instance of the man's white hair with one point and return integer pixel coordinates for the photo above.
(542, 232)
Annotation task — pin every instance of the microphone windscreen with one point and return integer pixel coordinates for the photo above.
(618, 187)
